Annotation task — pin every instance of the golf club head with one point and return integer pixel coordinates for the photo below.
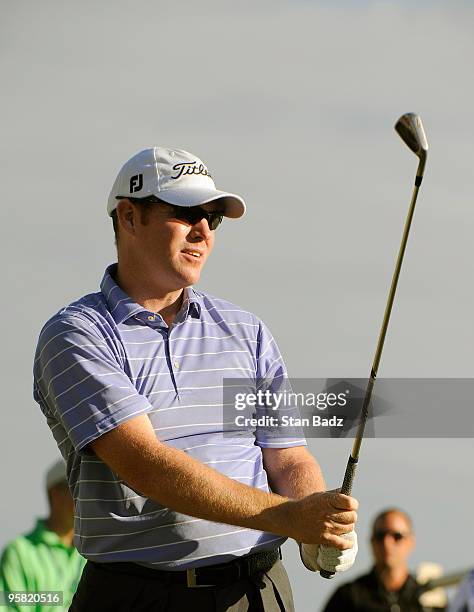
(410, 129)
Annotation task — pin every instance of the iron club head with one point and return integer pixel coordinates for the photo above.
(410, 129)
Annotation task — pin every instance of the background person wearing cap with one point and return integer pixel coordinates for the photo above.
(131, 381)
(45, 559)
(389, 585)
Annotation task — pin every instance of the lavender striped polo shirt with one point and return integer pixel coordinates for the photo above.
(105, 359)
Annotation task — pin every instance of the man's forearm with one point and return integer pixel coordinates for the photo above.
(178, 481)
(293, 471)
(188, 486)
(299, 480)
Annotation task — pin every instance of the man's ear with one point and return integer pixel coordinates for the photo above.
(126, 216)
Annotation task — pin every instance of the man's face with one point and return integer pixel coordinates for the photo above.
(173, 252)
(392, 541)
(61, 502)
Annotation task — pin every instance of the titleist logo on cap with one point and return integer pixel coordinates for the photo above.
(190, 168)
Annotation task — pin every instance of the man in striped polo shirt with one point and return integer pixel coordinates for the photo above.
(173, 510)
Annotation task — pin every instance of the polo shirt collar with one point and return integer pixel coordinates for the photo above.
(191, 304)
(122, 307)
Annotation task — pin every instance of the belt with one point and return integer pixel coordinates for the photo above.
(210, 575)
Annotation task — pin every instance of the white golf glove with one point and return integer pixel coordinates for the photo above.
(316, 557)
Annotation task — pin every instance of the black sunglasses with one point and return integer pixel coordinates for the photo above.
(194, 214)
(379, 536)
(189, 214)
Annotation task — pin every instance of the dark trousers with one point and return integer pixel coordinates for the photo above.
(103, 590)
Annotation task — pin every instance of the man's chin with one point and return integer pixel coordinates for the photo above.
(187, 278)
(389, 563)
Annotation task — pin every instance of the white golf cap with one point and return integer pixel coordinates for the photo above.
(56, 474)
(174, 176)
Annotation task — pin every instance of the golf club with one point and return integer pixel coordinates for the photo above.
(411, 131)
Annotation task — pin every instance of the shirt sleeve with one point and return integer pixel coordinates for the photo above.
(279, 404)
(13, 575)
(80, 382)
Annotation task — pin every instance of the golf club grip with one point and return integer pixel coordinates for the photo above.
(346, 489)
(349, 475)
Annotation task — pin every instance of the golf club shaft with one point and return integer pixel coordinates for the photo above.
(347, 484)
(354, 456)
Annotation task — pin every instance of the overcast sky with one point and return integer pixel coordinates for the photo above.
(292, 105)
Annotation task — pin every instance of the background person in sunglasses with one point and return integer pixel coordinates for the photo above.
(171, 513)
(389, 585)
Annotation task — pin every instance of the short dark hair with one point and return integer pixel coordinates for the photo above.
(144, 206)
(113, 214)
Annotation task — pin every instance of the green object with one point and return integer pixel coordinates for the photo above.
(39, 561)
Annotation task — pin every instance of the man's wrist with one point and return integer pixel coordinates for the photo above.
(277, 517)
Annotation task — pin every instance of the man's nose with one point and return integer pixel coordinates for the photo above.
(388, 541)
(201, 229)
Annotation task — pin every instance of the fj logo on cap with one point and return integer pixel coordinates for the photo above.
(136, 183)
(190, 168)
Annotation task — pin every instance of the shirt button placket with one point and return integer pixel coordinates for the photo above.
(174, 364)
